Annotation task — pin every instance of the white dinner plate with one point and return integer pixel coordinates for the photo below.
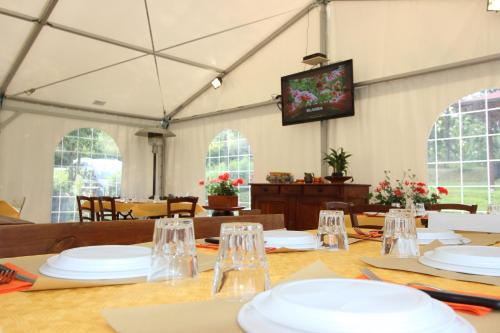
(253, 317)
(310, 246)
(103, 258)
(425, 233)
(48, 270)
(372, 214)
(471, 255)
(457, 241)
(428, 260)
(288, 237)
(322, 304)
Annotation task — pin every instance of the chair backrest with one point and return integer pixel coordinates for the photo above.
(343, 206)
(107, 209)
(86, 208)
(361, 208)
(255, 211)
(32, 239)
(185, 206)
(472, 209)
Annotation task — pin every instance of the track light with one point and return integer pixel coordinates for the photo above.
(493, 5)
(217, 82)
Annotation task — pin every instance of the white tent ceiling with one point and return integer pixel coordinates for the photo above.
(101, 50)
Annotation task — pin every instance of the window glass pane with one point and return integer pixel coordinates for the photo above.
(474, 149)
(495, 195)
(448, 150)
(495, 173)
(432, 133)
(475, 173)
(494, 147)
(230, 152)
(494, 121)
(493, 98)
(449, 174)
(473, 102)
(431, 174)
(474, 123)
(431, 151)
(452, 109)
(476, 196)
(90, 164)
(447, 127)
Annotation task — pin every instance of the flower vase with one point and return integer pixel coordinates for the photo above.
(222, 201)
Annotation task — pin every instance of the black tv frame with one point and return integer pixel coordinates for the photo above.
(311, 72)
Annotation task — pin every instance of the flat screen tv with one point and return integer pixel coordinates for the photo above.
(317, 94)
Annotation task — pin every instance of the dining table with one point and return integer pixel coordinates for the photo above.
(145, 208)
(80, 309)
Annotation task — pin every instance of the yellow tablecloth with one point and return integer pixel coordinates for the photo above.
(78, 310)
(7, 210)
(372, 220)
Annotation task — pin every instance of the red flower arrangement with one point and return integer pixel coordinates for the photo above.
(403, 190)
(222, 185)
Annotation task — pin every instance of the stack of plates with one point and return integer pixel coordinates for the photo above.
(348, 306)
(482, 260)
(298, 240)
(99, 263)
(447, 237)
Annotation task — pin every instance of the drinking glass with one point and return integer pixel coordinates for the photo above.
(400, 235)
(494, 209)
(174, 250)
(331, 231)
(420, 209)
(241, 269)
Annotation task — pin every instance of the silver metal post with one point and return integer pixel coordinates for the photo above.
(323, 34)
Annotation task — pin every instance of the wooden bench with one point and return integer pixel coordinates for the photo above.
(31, 239)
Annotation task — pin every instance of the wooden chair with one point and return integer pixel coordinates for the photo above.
(107, 212)
(182, 212)
(361, 208)
(32, 239)
(245, 212)
(86, 205)
(472, 209)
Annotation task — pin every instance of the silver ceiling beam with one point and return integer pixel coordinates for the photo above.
(247, 55)
(54, 109)
(86, 34)
(115, 42)
(35, 31)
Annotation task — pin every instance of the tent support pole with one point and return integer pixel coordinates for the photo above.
(49, 7)
(323, 43)
(7, 121)
(246, 56)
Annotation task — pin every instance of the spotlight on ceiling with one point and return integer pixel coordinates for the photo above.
(217, 82)
(493, 5)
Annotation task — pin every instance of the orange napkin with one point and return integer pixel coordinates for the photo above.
(16, 285)
(471, 309)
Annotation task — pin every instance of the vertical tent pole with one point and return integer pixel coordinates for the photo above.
(323, 35)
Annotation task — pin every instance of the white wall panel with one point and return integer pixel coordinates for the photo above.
(27, 148)
(274, 147)
(392, 37)
(259, 77)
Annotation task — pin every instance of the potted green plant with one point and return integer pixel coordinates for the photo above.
(222, 191)
(338, 160)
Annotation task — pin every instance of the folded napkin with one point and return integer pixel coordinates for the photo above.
(471, 309)
(16, 285)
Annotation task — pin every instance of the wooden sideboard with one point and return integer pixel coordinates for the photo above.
(301, 203)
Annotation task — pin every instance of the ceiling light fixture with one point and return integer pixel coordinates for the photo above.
(217, 82)
(493, 5)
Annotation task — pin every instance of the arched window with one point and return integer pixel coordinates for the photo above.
(464, 150)
(87, 162)
(230, 152)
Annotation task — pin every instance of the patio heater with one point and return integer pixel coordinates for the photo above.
(156, 138)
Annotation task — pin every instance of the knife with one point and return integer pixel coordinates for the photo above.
(446, 296)
(18, 276)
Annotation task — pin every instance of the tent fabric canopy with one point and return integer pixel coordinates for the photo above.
(101, 50)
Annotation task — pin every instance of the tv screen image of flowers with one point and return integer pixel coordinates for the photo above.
(326, 92)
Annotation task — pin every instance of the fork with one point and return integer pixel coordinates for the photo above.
(6, 276)
(16, 275)
(446, 296)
